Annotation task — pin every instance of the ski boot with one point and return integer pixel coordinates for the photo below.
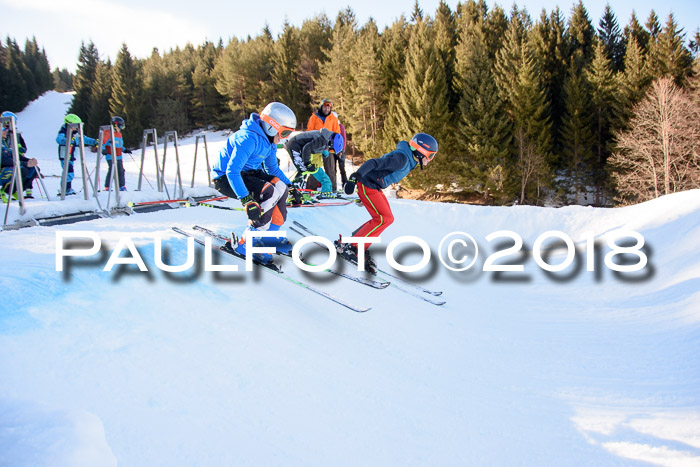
(28, 194)
(264, 258)
(349, 252)
(283, 246)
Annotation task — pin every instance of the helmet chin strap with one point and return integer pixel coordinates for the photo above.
(419, 156)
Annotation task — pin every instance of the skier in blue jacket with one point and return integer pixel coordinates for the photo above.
(75, 141)
(375, 175)
(247, 169)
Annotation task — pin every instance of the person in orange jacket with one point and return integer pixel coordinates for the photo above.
(324, 117)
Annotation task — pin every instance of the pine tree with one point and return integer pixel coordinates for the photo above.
(417, 14)
(207, 104)
(485, 130)
(610, 36)
(577, 132)
(38, 66)
(653, 26)
(365, 114)
(637, 76)
(126, 99)
(244, 75)
(606, 98)
(83, 80)
(99, 114)
(532, 129)
(394, 45)
(670, 57)
(446, 40)
(634, 30)
(13, 86)
(315, 37)
(421, 103)
(580, 35)
(496, 26)
(509, 57)
(335, 80)
(286, 71)
(551, 50)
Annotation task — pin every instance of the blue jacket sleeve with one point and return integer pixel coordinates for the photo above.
(61, 139)
(240, 153)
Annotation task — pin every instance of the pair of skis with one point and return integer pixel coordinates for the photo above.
(274, 269)
(409, 288)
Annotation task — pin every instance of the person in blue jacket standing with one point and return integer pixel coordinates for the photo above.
(118, 124)
(375, 175)
(247, 169)
(75, 141)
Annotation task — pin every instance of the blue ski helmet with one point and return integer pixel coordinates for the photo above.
(425, 144)
(338, 143)
(118, 122)
(7, 113)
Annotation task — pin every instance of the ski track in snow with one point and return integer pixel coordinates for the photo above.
(201, 368)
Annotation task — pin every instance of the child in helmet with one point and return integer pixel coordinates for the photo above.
(247, 169)
(117, 126)
(61, 140)
(307, 151)
(375, 175)
(28, 170)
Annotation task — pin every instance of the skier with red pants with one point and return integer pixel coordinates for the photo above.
(374, 176)
(247, 169)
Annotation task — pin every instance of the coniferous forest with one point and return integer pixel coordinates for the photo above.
(547, 109)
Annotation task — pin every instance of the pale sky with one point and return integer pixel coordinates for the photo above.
(60, 26)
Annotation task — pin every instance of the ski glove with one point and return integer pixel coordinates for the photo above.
(325, 153)
(296, 196)
(252, 208)
(349, 186)
(126, 151)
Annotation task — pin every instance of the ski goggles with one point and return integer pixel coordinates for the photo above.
(429, 155)
(282, 130)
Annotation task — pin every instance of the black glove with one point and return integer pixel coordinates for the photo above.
(126, 150)
(252, 208)
(310, 168)
(349, 186)
(296, 196)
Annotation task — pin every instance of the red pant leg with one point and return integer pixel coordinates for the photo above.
(378, 207)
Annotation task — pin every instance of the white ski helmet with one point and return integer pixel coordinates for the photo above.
(278, 118)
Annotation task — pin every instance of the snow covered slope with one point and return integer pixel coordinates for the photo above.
(199, 368)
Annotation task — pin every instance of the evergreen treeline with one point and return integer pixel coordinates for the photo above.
(524, 108)
(24, 74)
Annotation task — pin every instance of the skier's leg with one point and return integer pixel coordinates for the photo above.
(378, 207)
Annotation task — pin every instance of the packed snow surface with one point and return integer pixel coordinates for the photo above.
(135, 368)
